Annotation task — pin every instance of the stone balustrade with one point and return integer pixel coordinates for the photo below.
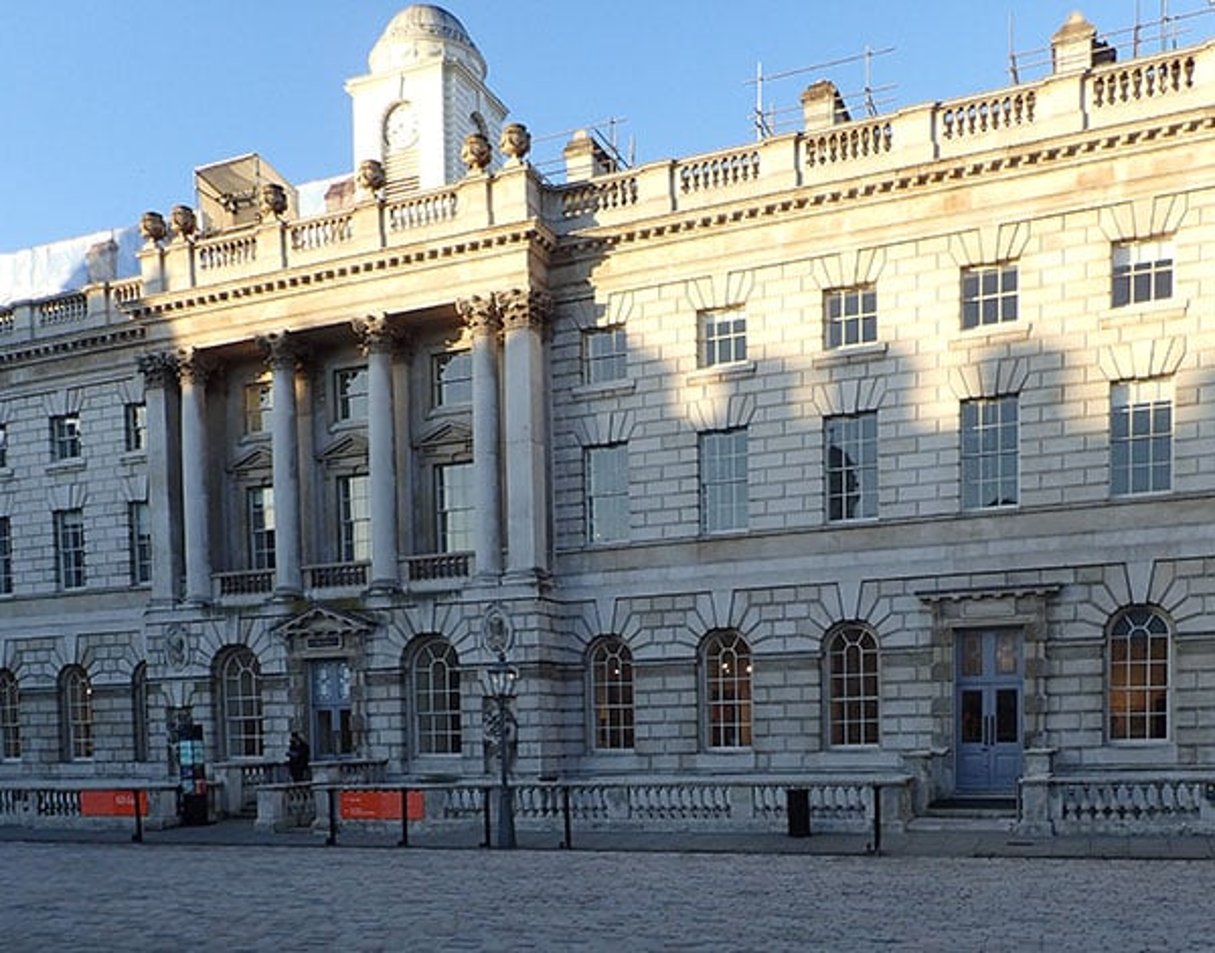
(842, 803)
(434, 222)
(101, 803)
(1118, 803)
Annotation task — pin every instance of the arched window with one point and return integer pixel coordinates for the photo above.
(139, 711)
(75, 714)
(727, 691)
(10, 717)
(611, 667)
(1138, 675)
(239, 678)
(436, 697)
(852, 654)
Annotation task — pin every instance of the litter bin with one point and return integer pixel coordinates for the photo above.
(797, 810)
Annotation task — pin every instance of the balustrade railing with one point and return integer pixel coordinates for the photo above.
(317, 233)
(66, 309)
(246, 583)
(719, 171)
(226, 251)
(1121, 803)
(439, 566)
(975, 117)
(422, 211)
(336, 575)
(1138, 81)
(849, 143)
(587, 198)
(127, 292)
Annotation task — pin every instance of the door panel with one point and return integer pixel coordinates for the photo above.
(988, 730)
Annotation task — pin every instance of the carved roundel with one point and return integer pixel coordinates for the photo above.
(496, 632)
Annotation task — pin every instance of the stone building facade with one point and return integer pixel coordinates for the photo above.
(882, 449)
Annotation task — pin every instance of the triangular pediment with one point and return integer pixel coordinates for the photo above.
(445, 433)
(321, 620)
(257, 458)
(344, 449)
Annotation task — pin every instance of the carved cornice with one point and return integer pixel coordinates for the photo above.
(85, 342)
(815, 195)
(396, 258)
(159, 368)
(523, 308)
(479, 313)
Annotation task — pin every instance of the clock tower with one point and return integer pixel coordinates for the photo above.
(424, 92)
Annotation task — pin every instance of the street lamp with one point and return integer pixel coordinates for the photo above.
(501, 678)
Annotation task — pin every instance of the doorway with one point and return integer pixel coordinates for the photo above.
(988, 729)
(332, 736)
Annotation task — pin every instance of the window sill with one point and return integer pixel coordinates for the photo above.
(722, 372)
(604, 389)
(6, 473)
(449, 410)
(851, 353)
(133, 457)
(1167, 309)
(707, 534)
(347, 426)
(1141, 495)
(66, 466)
(987, 334)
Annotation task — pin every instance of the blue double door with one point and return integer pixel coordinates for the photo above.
(988, 705)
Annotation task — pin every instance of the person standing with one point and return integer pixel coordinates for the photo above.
(298, 754)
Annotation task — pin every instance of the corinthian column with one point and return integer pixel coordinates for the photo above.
(523, 314)
(195, 505)
(378, 341)
(282, 354)
(164, 462)
(481, 316)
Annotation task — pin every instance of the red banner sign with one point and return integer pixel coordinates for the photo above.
(380, 805)
(112, 803)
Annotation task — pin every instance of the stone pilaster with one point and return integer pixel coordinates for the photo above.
(378, 341)
(523, 314)
(194, 370)
(482, 317)
(282, 353)
(160, 371)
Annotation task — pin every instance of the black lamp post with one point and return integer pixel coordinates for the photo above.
(501, 678)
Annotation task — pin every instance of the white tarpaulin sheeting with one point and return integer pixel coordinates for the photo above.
(48, 270)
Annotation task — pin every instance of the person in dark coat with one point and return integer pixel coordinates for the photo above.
(298, 754)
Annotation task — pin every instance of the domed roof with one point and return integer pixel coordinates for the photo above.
(419, 32)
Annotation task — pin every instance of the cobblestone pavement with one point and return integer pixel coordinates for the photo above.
(168, 897)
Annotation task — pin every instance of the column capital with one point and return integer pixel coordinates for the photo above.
(194, 366)
(479, 313)
(158, 368)
(281, 349)
(523, 308)
(376, 335)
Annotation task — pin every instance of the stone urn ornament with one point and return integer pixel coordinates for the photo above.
(273, 200)
(184, 222)
(371, 177)
(515, 142)
(476, 153)
(152, 227)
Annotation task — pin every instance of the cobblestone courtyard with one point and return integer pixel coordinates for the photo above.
(119, 897)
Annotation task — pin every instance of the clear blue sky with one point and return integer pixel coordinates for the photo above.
(107, 106)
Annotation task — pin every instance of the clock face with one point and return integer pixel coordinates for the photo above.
(401, 128)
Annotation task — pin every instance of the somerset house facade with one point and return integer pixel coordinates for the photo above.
(879, 450)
